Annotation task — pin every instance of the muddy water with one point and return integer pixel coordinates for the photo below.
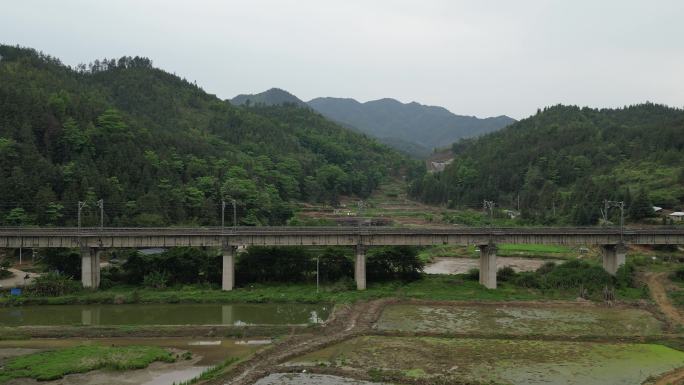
(309, 379)
(165, 314)
(445, 265)
(205, 353)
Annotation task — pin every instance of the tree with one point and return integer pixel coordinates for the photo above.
(17, 217)
(641, 206)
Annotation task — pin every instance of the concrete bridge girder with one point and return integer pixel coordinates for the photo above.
(611, 240)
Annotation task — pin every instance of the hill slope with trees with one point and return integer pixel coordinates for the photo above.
(159, 150)
(561, 163)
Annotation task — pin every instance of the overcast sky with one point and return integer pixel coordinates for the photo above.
(479, 57)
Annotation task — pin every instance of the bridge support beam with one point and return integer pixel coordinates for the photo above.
(228, 274)
(360, 268)
(90, 267)
(488, 265)
(613, 257)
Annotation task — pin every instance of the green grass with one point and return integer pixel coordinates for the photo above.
(56, 364)
(430, 287)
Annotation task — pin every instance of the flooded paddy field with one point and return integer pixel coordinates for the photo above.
(523, 362)
(521, 319)
(205, 353)
(165, 314)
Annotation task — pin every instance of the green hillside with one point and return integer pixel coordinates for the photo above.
(159, 150)
(565, 160)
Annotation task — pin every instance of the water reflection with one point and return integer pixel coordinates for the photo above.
(165, 314)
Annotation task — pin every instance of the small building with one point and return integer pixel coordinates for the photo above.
(657, 209)
(677, 216)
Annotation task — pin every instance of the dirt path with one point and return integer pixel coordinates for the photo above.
(348, 322)
(656, 284)
(675, 377)
(17, 280)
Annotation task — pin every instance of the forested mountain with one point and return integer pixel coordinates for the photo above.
(272, 97)
(565, 160)
(159, 150)
(426, 127)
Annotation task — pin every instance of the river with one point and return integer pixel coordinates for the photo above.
(165, 314)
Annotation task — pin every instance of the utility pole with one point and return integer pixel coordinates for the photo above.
(100, 204)
(234, 216)
(81, 205)
(223, 215)
(621, 205)
(489, 206)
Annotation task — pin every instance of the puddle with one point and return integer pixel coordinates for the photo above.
(529, 319)
(446, 265)
(309, 379)
(517, 362)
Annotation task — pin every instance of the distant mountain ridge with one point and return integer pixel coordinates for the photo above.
(412, 128)
(426, 126)
(272, 97)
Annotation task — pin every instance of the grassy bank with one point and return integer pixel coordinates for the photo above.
(429, 287)
(55, 364)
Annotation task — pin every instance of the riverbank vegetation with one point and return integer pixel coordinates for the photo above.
(288, 274)
(51, 365)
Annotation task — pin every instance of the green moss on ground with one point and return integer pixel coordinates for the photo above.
(51, 365)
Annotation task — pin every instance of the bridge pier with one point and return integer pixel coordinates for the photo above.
(90, 267)
(360, 268)
(228, 273)
(488, 265)
(613, 257)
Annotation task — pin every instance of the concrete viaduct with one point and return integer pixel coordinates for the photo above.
(92, 241)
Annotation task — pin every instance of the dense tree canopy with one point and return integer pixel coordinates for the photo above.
(159, 150)
(561, 163)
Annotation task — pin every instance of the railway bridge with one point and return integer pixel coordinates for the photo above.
(92, 241)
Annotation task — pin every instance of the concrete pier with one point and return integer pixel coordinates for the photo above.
(228, 275)
(613, 257)
(488, 265)
(90, 267)
(360, 268)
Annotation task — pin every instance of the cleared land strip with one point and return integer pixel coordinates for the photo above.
(656, 285)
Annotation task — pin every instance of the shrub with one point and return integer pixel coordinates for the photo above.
(391, 262)
(53, 285)
(473, 274)
(624, 276)
(4, 268)
(574, 274)
(678, 275)
(527, 279)
(505, 274)
(156, 280)
(546, 268)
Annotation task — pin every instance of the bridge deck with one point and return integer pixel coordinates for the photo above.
(217, 237)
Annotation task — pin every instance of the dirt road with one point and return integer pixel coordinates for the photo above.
(347, 322)
(657, 285)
